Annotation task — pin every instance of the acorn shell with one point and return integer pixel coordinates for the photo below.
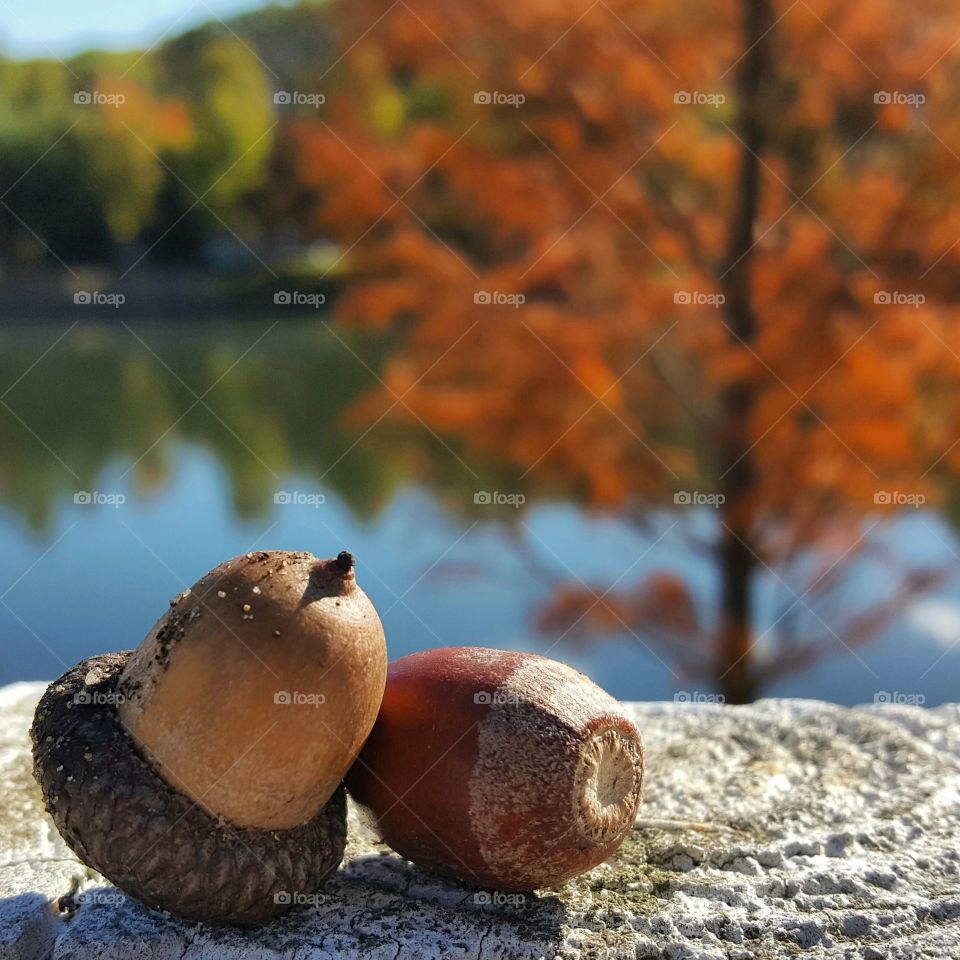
(504, 770)
(152, 842)
(255, 691)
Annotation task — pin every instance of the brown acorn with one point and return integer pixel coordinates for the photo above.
(255, 691)
(201, 773)
(504, 770)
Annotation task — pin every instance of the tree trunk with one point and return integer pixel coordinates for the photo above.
(736, 674)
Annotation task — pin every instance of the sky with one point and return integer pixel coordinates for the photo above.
(61, 28)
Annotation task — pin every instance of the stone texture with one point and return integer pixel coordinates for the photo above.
(836, 834)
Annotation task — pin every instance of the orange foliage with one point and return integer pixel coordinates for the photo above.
(605, 200)
(162, 124)
(600, 198)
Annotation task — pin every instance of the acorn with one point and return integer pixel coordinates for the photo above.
(202, 772)
(503, 770)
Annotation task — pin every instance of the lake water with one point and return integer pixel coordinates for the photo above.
(182, 476)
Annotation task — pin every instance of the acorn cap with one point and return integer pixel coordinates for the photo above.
(153, 842)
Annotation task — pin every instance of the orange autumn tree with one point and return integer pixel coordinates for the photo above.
(647, 252)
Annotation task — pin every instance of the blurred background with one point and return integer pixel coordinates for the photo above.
(623, 333)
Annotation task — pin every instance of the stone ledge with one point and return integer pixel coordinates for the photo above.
(836, 834)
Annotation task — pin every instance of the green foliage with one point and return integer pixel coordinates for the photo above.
(222, 83)
(180, 135)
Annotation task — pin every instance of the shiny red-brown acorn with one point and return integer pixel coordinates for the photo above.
(504, 770)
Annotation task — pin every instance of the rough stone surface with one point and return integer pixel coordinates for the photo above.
(836, 834)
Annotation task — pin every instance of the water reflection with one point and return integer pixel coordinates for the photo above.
(201, 431)
(267, 400)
